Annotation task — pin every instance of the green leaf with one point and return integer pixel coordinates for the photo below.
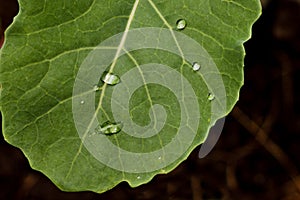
(154, 74)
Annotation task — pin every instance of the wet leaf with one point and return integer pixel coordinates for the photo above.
(56, 52)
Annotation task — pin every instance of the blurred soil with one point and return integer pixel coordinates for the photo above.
(258, 154)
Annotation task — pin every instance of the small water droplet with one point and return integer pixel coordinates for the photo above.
(82, 102)
(181, 24)
(196, 66)
(211, 96)
(138, 177)
(110, 78)
(96, 88)
(109, 128)
(159, 158)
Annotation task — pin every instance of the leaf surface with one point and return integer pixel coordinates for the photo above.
(57, 51)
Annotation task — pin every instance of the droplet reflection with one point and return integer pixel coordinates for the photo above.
(181, 24)
(211, 97)
(196, 66)
(110, 78)
(109, 128)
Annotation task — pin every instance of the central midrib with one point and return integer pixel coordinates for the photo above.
(120, 47)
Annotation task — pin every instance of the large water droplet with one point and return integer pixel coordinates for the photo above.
(211, 97)
(181, 24)
(110, 78)
(196, 66)
(109, 128)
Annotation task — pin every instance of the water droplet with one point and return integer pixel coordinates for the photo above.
(96, 88)
(159, 158)
(82, 102)
(110, 78)
(211, 96)
(109, 128)
(196, 66)
(138, 177)
(181, 24)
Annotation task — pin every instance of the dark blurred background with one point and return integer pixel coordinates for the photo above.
(257, 156)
